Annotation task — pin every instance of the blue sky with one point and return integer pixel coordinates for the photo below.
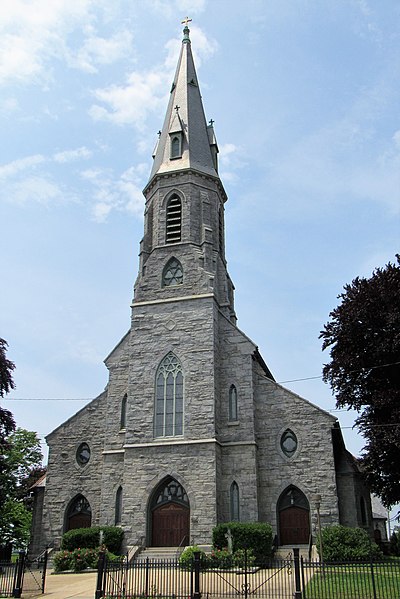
(305, 98)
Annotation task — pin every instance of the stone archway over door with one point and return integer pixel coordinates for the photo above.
(294, 518)
(170, 515)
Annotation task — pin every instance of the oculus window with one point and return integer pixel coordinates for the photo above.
(83, 454)
(174, 220)
(169, 398)
(289, 443)
(172, 273)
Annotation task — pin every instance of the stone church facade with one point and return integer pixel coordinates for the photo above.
(192, 429)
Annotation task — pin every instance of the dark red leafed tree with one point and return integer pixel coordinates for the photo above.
(363, 337)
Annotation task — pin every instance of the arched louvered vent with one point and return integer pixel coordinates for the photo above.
(174, 220)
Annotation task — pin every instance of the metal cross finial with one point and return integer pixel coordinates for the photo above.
(186, 20)
(177, 108)
(211, 122)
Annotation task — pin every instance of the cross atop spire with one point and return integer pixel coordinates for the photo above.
(186, 20)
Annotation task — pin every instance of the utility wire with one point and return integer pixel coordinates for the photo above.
(309, 378)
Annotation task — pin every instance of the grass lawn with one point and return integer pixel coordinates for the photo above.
(354, 582)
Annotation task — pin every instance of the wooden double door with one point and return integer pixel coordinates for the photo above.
(170, 525)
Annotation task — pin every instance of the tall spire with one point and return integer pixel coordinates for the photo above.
(186, 141)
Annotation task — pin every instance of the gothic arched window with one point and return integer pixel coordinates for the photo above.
(176, 146)
(174, 220)
(172, 273)
(123, 411)
(169, 398)
(234, 501)
(233, 407)
(118, 505)
(79, 513)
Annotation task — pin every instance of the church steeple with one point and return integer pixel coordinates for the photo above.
(182, 253)
(186, 141)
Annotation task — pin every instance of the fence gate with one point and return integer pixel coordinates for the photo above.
(278, 579)
(23, 575)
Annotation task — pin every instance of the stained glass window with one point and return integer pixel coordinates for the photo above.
(169, 398)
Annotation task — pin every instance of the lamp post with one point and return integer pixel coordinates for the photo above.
(318, 506)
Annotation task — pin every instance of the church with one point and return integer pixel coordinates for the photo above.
(192, 430)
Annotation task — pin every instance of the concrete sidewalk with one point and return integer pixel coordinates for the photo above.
(67, 586)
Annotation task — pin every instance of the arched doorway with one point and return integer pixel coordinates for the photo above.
(294, 517)
(79, 514)
(170, 515)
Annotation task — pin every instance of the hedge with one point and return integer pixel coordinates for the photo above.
(89, 538)
(341, 543)
(256, 536)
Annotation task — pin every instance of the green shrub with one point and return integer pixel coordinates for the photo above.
(395, 543)
(340, 543)
(240, 559)
(256, 536)
(219, 558)
(89, 538)
(62, 561)
(187, 557)
(80, 559)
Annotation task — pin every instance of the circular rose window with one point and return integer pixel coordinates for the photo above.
(83, 454)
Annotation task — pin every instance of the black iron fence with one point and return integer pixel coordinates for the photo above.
(23, 575)
(287, 578)
(164, 579)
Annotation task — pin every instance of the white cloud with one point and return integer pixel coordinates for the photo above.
(131, 103)
(33, 32)
(70, 155)
(37, 189)
(22, 164)
(122, 193)
(101, 51)
(144, 92)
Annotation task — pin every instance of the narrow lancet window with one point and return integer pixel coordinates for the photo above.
(169, 398)
(234, 501)
(172, 273)
(118, 506)
(174, 220)
(233, 407)
(123, 411)
(176, 151)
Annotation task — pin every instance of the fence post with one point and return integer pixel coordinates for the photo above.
(17, 590)
(197, 594)
(297, 593)
(45, 558)
(100, 575)
(371, 562)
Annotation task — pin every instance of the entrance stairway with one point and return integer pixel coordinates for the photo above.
(284, 550)
(159, 553)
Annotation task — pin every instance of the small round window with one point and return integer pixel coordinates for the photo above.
(83, 454)
(289, 443)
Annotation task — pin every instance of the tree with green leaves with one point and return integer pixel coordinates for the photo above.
(22, 459)
(20, 465)
(363, 336)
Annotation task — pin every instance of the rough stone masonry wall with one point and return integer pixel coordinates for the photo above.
(311, 468)
(191, 464)
(65, 477)
(185, 328)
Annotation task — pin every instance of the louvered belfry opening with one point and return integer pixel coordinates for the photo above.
(174, 220)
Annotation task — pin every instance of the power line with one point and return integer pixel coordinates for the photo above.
(309, 378)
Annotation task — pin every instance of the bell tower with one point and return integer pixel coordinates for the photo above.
(182, 252)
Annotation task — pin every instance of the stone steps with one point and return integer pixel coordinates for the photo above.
(159, 554)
